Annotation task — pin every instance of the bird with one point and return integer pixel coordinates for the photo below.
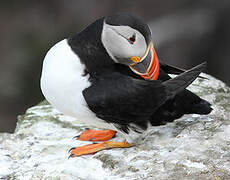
(109, 76)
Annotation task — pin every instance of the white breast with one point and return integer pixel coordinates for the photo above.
(62, 83)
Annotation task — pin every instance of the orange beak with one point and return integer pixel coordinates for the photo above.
(148, 65)
(137, 59)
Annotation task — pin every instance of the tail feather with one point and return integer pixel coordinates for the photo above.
(181, 101)
(174, 70)
(179, 83)
(185, 102)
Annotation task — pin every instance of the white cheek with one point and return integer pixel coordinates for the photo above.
(115, 45)
(118, 46)
(107, 40)
(139, 46)
(129, 50)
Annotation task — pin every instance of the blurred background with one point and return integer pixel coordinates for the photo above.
(185, 33)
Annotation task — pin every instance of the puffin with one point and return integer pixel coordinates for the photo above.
(109, 76)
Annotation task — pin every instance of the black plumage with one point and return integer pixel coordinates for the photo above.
(119, 96)
(184, 102)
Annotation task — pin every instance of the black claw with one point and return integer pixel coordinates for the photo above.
(71, 155)
(76, 137)
(87, 128)
(94, 143)
(71, 149)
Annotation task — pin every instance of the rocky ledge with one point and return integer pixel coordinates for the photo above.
(192, 147)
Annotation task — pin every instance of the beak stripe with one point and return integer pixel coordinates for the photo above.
(153, 70)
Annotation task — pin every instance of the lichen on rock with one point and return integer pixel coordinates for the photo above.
(192, 147)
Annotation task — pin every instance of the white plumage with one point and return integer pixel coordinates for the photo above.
(62, 83)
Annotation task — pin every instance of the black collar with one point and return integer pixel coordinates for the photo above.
(88, 46)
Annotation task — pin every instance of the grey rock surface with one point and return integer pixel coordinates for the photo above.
(192, 147)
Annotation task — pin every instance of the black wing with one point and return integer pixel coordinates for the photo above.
(184, 102)
(170, 69)
(123, 100)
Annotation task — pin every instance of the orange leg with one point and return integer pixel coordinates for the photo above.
(93, 148)
(96, 135)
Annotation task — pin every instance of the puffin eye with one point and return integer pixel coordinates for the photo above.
(132, 39)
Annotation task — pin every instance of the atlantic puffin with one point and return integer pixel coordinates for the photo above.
(109, 76)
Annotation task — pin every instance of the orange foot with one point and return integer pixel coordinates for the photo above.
(93, 148)
(96, 135)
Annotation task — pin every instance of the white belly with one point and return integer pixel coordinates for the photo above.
(62, 83)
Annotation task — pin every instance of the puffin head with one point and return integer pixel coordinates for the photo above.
(127, 40)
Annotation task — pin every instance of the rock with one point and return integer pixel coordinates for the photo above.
(192, 147)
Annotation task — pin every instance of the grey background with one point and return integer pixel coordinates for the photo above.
(185, 33)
